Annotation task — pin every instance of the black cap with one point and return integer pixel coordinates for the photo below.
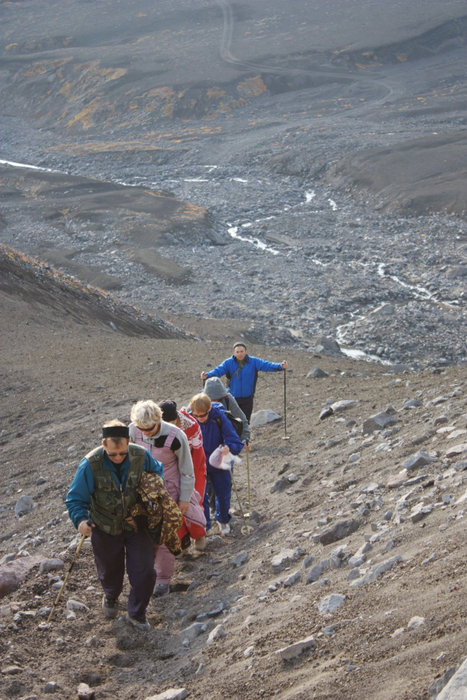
(169, 410)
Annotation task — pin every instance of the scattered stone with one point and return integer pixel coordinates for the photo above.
(457, 450)
(326, 412)
(342, 529)
(280, 485)
(343, 405)
(456, 687)
(190, 633)
(51, 565)
(285, 557)
(217, 633)
(437, 686)
(419, 512)
(85, 692)
(240, 559)
(415, 622)
(263, 417)
(379, 421)
(376, 571)
(23, 506)
(419, 459)
(170, 694)
(317, 373)
(293, 579)
(330, 603)
(296, 649)
(51, 687)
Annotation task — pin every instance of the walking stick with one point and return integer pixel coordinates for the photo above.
(286, 437)
(83, 537)
(248, 475)
(246, 528)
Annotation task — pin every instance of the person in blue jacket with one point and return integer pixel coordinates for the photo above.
(216, 429)
(241, 371)
(99, 500)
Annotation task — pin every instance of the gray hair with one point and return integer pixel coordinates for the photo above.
(145, 413)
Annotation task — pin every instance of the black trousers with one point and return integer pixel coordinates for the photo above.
(246, 404)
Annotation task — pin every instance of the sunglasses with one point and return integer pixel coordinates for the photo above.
(200, 415)
(148, 430)
(117, 454)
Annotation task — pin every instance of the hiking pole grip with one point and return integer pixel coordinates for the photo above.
(285, 402)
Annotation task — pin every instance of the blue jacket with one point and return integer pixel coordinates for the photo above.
(213, 436)
(79, 495)
(243, 381)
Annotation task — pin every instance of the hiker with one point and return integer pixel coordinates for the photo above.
(241, 371)
(169, 445)
(105, 479)
(217, 392)
(217, 430)
(189, 425)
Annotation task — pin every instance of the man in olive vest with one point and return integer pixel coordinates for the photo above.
(99, 500)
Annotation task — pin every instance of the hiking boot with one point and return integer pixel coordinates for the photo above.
(109, 607)
(139, 623)
(224, 528)
(185, 541)
(161, 589)
(200, 544)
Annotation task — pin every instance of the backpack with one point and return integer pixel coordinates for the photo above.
(236, 422)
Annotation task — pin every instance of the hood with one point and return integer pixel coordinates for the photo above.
(215, 389)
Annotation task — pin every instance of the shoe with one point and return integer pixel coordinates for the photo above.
(161, 589)
(109, 607)
(200, 544)
(224, 528)
(185, 542)
(139, 623)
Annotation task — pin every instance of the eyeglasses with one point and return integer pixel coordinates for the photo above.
(148, 430)
(117, 454)
(200, 415)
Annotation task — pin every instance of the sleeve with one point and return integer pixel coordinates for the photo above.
(218, 371)
(236, 411)
(266, 366)
(79, 495)
(185, 467)
(230, 437)
(153, 465)
(198, 456)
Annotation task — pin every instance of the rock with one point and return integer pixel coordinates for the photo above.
(14, 572)
(263, 417)
(23, 506)
(378, 421)
(85, 692)
(317, 373)
(240, 559)
(51, 565)
(330, 603)
(376, 571)
(296, 649)
(217, 633)
(419, 512)
(326, 412)
(456, 688)
(292, 579)
(419, 459)
(170, 694)
(280, 485)
(283, 559)
(457, 450)
(338, 531)
(190, 633)
(343, 405)
(415, 622)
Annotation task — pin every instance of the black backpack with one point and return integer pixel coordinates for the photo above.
(236, 422)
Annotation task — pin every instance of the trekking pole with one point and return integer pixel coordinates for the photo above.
(78, 549)
(248, 475)
(286, 437)
(246, 528)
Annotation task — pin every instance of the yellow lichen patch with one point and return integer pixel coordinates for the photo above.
(85, 115)
(65, 90)
(401, 57)
(8, 47)
(112, 73)
(252, 87)
(215, 92)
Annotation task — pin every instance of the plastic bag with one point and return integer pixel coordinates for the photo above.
(221, 461)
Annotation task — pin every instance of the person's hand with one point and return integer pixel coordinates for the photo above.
(225, 450)
(203, 375)
(284, 364)
(85, 527)
(183, 505)
(247, 446)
